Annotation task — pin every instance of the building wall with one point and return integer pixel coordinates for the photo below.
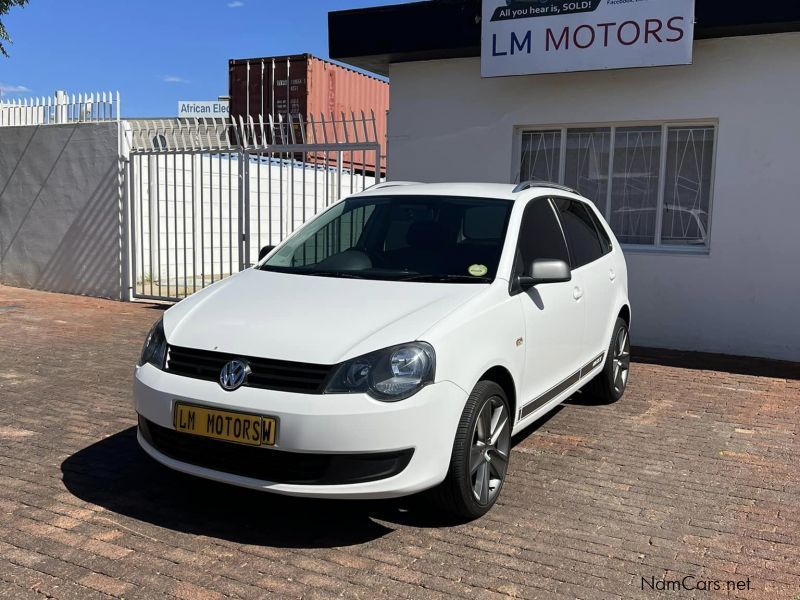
(59, 209)
(448, 124)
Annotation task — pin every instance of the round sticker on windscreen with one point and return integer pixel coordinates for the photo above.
(478, 270)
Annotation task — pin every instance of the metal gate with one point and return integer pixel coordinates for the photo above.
(205, 195)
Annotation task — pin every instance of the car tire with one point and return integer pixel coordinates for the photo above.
(479, 462)
(609, 385)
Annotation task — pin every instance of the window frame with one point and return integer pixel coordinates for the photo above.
(665, 125)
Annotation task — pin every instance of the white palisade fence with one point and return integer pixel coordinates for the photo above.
(192, 228)
(60, 108)
(205, 195)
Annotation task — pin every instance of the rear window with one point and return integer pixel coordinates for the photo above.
(583, 238)
(601, 231)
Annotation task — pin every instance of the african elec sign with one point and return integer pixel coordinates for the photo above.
(523, 37)
(193, 109)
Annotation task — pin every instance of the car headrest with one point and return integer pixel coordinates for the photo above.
(425, 235)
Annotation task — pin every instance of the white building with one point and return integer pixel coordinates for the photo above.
(695, 166)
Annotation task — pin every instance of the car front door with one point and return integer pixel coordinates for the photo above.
(593, 262)
(554, 313)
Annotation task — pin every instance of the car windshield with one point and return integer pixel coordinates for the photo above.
(400, 238)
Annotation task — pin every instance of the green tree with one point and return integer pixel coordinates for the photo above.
(5, 6)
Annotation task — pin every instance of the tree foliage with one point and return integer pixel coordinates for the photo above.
(5, 6)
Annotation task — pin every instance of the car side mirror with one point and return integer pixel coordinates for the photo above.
(264, 251)
(545, 270)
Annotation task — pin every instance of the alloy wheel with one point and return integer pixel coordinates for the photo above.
(621, 360)
(491, 441)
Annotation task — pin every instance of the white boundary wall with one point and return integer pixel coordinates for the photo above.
(60, 209)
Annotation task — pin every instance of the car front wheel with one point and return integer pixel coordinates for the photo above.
(481, 450)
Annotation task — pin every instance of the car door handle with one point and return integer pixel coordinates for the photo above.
(577, 293)
(612, 275)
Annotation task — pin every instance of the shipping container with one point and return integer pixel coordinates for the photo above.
(305, 86)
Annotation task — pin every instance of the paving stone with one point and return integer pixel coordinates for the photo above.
(693, 473)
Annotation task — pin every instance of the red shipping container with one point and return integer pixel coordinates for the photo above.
(306, 86)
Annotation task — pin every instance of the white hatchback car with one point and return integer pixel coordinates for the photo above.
(391, 345)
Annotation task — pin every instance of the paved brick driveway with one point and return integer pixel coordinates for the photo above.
(695, 472)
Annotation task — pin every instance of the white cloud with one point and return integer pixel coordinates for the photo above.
(13, 89)
(174, 79)
(235, 4)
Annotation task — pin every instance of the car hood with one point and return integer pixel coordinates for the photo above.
(322, 320)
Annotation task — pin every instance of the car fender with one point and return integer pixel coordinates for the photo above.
(484, 333)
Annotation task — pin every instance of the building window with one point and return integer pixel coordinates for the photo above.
(587, 160)
(541, 155)
(652, 182)
(687, 189)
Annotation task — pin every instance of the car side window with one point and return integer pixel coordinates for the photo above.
(605, 241)
(540, 236)
(579, 229)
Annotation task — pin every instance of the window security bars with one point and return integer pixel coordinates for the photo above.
(653, 183)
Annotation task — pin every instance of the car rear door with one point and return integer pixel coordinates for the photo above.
(592, 263)
(554, 313)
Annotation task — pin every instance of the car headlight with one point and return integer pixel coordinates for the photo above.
(155, 347)
(389, 375)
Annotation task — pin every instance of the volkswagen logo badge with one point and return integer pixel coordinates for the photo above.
(233, 375)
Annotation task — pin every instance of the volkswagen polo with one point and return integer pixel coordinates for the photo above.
(391, 345)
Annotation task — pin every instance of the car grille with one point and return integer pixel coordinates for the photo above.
(268, 464)
(265, 373)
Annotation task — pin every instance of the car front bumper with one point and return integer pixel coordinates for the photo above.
(312, 428)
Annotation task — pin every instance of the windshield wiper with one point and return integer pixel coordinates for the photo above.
(437, 277)
(342, 274)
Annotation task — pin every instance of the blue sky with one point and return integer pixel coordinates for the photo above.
(155, 52)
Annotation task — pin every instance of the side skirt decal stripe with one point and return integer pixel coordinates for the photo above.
(550, 394)
(591, 366)
(561, 387)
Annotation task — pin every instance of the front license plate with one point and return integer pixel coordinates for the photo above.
(253, 430)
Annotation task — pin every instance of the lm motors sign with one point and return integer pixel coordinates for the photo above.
(524, 37)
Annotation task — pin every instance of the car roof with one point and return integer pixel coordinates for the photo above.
(502, 191)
